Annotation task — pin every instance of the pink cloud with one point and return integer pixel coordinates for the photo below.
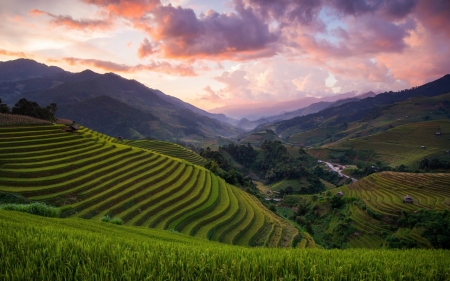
(163, 67)
(146, 48)
(236, 36)
(69, 22)
(126, 8)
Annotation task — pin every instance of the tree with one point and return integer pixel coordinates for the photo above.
(31, 108)
(3, 107)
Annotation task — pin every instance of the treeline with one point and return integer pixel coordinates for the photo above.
(220, 166)
(330, 176)
(434, 164)
(32, 109)
(272, 163)
(435, 227)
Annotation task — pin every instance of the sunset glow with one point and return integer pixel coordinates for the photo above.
(218, 53)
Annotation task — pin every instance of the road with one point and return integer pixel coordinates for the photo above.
(338, 171)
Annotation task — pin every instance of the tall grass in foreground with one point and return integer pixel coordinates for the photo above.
(36, 208)
(37, 248)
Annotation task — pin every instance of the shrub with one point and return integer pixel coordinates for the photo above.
(114, 220)
(39, 209)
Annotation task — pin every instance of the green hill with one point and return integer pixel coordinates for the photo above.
(405, 144)
(382, 195)
(258, 138)
(34, 247)
(360, 110)
(170, 149)
(412, 110)
(87, 175)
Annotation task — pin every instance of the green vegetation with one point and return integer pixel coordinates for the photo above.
(114, 220)
(35, 208)
(32, 109)
(170, 149)
(258, 138)
(74, 249)
(403, 145)
(7, 119)
(93, 176)
(377, 216)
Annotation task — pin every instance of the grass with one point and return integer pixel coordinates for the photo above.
(74, 249)
(399, 145)
(383, 193)
(34, 208)
(113, 220)
(91, 175)
(170, 149)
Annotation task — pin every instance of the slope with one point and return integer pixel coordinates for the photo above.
(382, 197)
(71, 91)
(74, 249)
(357, 110)
(405, 144)
(412, 110)
(90, 175)
(170, 149)
(24, 69)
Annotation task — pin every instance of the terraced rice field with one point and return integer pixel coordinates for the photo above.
(170, 149)
(384, 193)
(403, 144)
(90, 175)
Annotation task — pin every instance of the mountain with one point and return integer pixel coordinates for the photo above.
(313, 108)
(75, 93)
(261, 110)
(24, 69)
(358, 109)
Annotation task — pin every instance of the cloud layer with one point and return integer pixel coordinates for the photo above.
(256, 50)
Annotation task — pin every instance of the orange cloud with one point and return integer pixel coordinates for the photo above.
(126, 8)
(14, 54)
(69, 22)
(162, 67)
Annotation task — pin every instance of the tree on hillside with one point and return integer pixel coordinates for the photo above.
(31, 108)
(3, 107)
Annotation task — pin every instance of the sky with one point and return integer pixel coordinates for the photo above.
(224, 53)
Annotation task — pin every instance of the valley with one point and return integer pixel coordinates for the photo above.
(155, 170)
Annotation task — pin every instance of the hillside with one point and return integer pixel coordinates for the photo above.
(75, 249)
(412, 110)
(73, 92)
(358, 110)
(310, 109)
(257, 138)
(171, 149)
(91, 175)
(405, 144)
(25, 69)
(383, 194)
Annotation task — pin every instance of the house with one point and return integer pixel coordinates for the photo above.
(72, 128)
(340, 194)
(407, 199)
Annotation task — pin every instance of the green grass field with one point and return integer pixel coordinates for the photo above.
(396, 146)
(413, 110)
(90, 175)
(38, 248)
(383, 193)
(170, 149)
